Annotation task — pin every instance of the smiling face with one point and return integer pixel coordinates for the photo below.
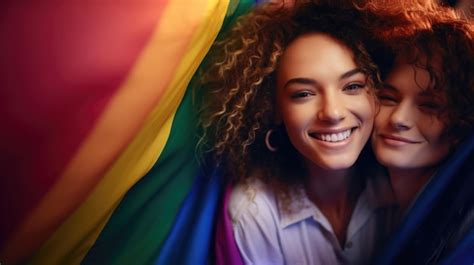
(407, 133)
(324, 102)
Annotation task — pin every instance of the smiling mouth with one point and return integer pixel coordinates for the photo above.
(396, 139)
(333, 137)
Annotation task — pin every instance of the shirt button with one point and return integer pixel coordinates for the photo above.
(349, 244)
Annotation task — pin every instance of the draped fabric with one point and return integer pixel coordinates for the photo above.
(464, 252)
(99, 128)
(59, 73)
(194, 225)
(226, 249)
(97, 148)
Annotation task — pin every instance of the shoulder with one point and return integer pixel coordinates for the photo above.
(253, 199)
(255, 220)
(253, 207)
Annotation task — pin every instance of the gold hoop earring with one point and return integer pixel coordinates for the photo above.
(267, 141)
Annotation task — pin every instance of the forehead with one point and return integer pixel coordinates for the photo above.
(315, 54)
(414, 82)
(409, 79)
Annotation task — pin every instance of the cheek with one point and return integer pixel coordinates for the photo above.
(295, 120)
(438, 147)
(432, 129)
(299, 114)
(382, 116)
(371, 114)
(364, 109)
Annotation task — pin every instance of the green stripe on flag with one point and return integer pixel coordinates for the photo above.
(138, 227)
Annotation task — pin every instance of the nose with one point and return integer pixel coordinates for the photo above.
(402, 116)
(331, 108)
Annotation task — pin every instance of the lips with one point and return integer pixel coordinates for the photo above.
(333, 137)
(393, 138)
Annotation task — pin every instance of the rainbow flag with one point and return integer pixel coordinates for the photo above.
(97, 147)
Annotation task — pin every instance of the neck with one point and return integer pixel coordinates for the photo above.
(331, 186)
(335, 193)
(406, 183)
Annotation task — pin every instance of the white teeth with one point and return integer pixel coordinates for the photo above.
(334, 137)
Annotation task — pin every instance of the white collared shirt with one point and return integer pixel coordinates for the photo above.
(267, 235)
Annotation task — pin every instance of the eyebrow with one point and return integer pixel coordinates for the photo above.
(350, 73)
(310, 81)
(428, 93)
(389, 87)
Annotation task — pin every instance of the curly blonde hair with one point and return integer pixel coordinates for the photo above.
(240, 87)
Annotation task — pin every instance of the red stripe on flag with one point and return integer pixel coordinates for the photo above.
(61, 62)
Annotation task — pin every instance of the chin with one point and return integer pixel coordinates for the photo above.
(392, 162)
(339, 164)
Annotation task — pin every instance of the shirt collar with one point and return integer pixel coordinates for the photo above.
(301, 208)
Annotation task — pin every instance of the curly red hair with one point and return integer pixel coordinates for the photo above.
(240, 85)
(438, 39)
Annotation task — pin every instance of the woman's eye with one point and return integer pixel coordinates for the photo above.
(386, 99)
(302, 94)
(354, 87)
(430, 106)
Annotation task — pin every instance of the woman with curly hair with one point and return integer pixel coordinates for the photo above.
(426, 111)
(291, 107)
